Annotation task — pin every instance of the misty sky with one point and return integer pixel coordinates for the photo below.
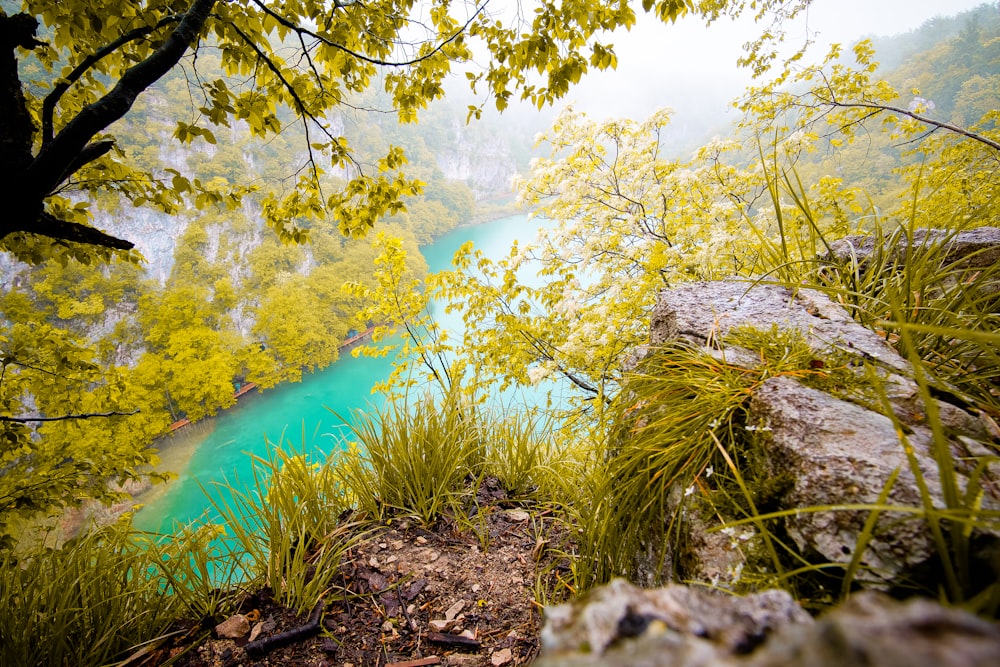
(682, 61)
(692, 69)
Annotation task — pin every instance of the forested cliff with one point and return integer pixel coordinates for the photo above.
(189, 187)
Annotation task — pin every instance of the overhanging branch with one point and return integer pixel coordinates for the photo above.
(50, 167)
(52, 99)
(52, 227)
(360, 56)
(85, 415)
(915, 116)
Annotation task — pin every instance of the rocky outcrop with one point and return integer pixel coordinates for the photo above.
(483, 161)
(829, 450)
(973, 248)
(678, 626)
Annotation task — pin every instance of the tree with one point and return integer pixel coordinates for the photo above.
(624, 221)
(86, 63)
(71, 70)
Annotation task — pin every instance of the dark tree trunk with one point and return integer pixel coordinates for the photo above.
(16, 129)
(26, 179)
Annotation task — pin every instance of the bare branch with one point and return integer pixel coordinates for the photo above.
(360, 56)
(85, 415)
(878, 107)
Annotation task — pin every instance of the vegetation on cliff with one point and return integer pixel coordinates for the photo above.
(823, 152)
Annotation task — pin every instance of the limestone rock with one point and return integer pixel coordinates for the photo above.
(872, 629)
(836, 452)
(620, 610)
(234, 627)
(976, 248)
(830, 451)
(623, 626)
(704, 312)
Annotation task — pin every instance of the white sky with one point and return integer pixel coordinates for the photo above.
(679, 62)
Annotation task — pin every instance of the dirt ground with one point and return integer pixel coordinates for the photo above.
(405, 596)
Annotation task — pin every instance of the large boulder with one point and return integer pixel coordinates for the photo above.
(828, 450)
(620, 625)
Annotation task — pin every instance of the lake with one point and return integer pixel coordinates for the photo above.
(301, 415)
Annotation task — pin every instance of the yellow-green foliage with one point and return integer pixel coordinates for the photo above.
(284, 530)
(91, 602)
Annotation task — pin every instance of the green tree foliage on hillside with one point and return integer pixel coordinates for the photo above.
(71, 77)
(625, 220)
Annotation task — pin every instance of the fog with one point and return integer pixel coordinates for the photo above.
(678, 65)
(693, 70)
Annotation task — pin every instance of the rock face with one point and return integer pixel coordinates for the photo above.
(678, 626)
(840, 453)
(830, 451)
(978, 247)
(483, 162)
(620, 610)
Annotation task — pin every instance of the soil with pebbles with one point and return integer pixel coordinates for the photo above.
(404, 596)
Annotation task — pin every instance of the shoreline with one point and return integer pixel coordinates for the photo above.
(246, 387)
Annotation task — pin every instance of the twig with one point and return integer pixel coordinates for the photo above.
(420, 662)
(406, 612)
(453, 640)
(258, 648)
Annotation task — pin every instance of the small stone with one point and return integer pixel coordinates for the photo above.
(258, 628)
(454, 610)
(501, 657)
(421, 540)
(390, 559)
(441, 625)
(411, 609)
(518, 515)
(468, 634)
(476, 588)
(383, 545)
(373, 561)
(233, 627)
(396, 544)
(388, 626)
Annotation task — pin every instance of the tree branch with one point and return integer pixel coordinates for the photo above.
(48, 225)
(52, 99)
(85, 415)
(90, 153)
(360, 56)
(917, 117)
(50, 167)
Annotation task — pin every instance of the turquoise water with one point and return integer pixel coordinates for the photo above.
(219, 449)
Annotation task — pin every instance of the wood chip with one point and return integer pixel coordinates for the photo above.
(414, 589)
(454, 610)
(501, 657)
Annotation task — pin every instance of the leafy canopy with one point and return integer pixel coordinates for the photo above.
(71, 76)
(70, 69)
(823, 151)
